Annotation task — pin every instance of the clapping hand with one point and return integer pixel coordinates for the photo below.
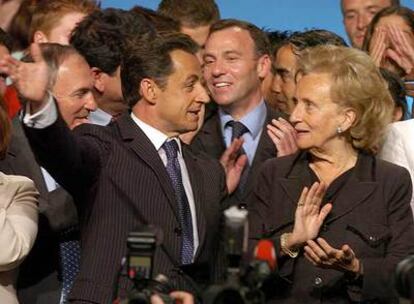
(402, 51)
(378, 45)
(283, 135)
(309, 215)
(321, 254)
(233, 164)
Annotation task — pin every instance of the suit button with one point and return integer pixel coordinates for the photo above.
(242, 206)
(178, 231)
(317, 282)
(324, 227)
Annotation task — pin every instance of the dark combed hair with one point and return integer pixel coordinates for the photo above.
(160, 22)
(100, 38)
(404, 12)
(191, 13)
(397, 90)
(4, 129)
(151, 60)
(6, 40)
(259, 37)
(314, 37)
(276, 39)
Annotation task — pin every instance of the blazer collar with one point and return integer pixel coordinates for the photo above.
(357, 189)
(140, 144)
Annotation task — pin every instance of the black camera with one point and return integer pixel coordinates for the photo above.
(404, 278)
(140, 259)
(243, 282)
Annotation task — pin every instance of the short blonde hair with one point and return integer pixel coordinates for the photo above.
(357, 84)
(47, 14)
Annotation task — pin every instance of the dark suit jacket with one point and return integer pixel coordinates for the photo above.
(123, 185)
(210, 141)
(38, 275)
(371, 213)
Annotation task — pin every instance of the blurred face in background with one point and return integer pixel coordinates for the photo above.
(61, 32)
(3, 51)
(284, 85)
(357, 14)
(387, 24)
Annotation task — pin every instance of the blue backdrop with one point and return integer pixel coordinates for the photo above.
(272, 14)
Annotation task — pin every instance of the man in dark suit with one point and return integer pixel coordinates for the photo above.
(123, 175)
(236, 60)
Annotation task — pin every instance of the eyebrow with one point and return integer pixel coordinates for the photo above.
(81, 91)
(191, 79)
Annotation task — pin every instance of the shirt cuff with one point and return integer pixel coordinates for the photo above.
(43, 118)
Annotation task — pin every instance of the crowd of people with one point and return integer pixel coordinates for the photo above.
(115, 120)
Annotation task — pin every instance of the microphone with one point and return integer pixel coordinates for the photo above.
(236, 232)
(265, 252)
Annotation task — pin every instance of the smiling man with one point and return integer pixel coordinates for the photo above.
(136, 171)
(71, 83)
(357, 14)
(236, 60)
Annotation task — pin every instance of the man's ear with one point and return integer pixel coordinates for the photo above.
(263, 66)
(40, 37)
(99, 79)
(149, 90)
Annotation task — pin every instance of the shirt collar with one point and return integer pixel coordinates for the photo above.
(156, 137)
(100, 117)
(253, 120)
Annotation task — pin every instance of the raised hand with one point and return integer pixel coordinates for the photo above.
(309, 215)
(233, 164)
(30, 79)
(321, 254)
(378, 45)
(402, 51)
(283, 135)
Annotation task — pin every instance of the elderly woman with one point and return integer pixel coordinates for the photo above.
(340, 218)
(18, 220)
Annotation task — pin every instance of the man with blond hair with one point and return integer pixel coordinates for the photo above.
(54, 21)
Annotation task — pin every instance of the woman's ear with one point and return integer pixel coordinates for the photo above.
(349, 119)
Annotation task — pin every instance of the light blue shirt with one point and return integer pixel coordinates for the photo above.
(99, 117)
(409, 100)
(254, 121)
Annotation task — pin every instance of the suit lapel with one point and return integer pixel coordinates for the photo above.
(211, 138)
(198, 193)
(265, 150)
(139, 143)
(357, 189)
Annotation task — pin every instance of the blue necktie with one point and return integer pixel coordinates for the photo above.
(69, 262)
(174, 171)
(238, 129)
